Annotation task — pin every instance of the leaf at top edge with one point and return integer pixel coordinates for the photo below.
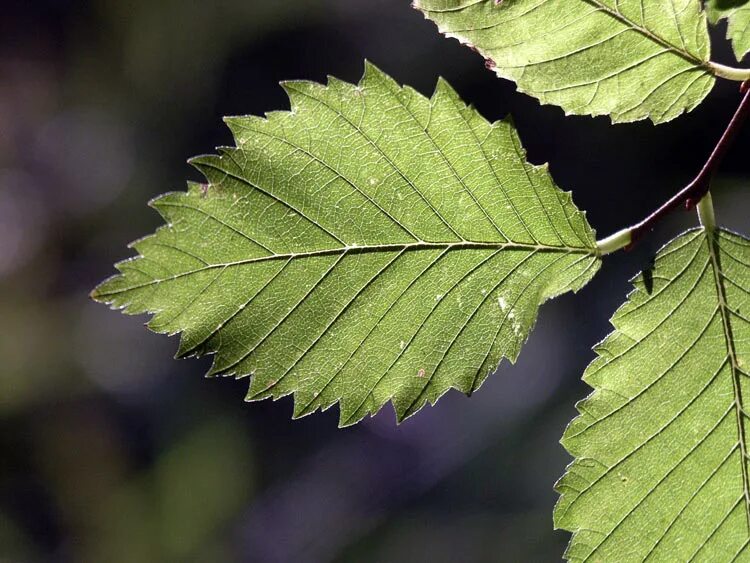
(660, 447)
(370, 245)
(629, 60)
(737, 13)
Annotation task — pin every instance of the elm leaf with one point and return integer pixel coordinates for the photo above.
(370, 245)
(630, 60)
(737, 14)
(660, 447)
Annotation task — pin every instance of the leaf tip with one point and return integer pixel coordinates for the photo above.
(95, 294)
(102, 292)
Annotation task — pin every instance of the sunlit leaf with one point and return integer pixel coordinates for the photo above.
(661, 468)
(370, 245)
(737, 14)
(626, 59)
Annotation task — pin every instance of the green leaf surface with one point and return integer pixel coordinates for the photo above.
(661, 468)
(737, 13)
(369, 245)
(629, 59)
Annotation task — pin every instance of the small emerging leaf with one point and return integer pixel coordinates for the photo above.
(370, 245)
(737, 13)
(661, 468)
(629, 60)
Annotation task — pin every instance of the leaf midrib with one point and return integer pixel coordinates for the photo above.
(648, 33)
(421, 245)
(713, 250)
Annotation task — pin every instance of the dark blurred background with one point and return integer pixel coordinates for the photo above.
(112, 451)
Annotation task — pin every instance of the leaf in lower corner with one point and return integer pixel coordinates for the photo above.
(661, 468)
(737, 14)
(371, 245)
(629, 60)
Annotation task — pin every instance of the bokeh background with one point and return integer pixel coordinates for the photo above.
(112, 451)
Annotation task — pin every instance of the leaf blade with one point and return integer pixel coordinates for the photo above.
(737, 14)
(659, 471)
(592, 57)
(370, 245)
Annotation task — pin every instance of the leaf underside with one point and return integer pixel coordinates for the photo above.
(370, 245)
(661, 468)
(737, 14)
(629, 59)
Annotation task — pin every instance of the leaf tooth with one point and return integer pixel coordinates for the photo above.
(299, 92)
(375, 78)
(342, 87)
(242, 127)
(444, 89)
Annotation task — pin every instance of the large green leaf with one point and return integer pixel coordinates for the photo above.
(661, 468)
(370, 245)
(629, 59)
(737, 13)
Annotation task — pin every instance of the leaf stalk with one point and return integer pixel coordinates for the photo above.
(706, 212)
(621, 239)
(729, 73)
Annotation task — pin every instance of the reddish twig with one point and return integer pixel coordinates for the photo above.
(691, 194)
